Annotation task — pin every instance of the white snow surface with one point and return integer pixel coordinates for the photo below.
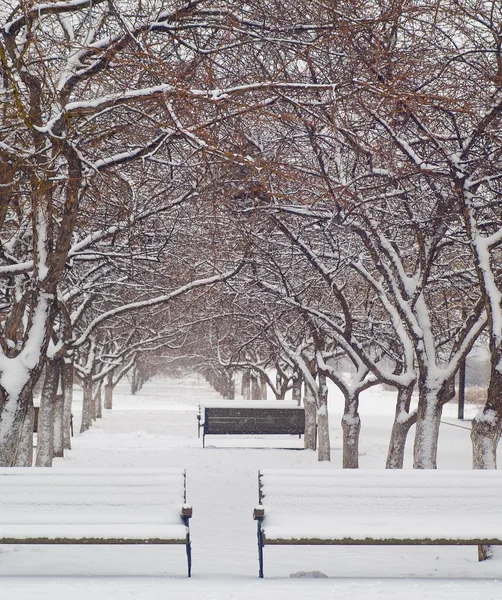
(382, 505)
(157, 429)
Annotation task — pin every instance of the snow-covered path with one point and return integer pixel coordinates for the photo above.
(157, 428)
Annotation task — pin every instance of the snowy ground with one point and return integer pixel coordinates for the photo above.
(157, 428)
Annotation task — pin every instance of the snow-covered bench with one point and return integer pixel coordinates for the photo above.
(378, 507)
(94, 506)
(255, 417)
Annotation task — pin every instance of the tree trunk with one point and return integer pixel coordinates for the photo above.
(134, 380)
(279, 386)
(230, 386)
(109, 391)
(432, 397)
(297, 386)
(351, 427)
(400, 428)
(87, 404)
(324, 447)
(427, 430)
(255, 387)
(485, 436)
(310, 437)
(15, 400)
(246, 384)
(98, 405)
(58, 436)
(24, 455)
(263, 386)
(485, 433)
(67, 383)
(45, 430)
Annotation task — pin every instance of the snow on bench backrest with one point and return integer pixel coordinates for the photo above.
(37, 495)
(351, 491)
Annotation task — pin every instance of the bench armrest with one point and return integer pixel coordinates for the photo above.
(259, 513)
(186, 511)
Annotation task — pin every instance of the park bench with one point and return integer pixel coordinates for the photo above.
(378, 507)
(256, 417)
(94, 506)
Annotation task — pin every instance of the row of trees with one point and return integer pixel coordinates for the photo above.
(312, 189)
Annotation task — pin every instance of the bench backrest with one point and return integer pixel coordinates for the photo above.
(346, 491)
(253, 420)
(36, 495)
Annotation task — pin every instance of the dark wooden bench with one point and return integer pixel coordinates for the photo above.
(257, 417)
(378, 507)
(94, 506)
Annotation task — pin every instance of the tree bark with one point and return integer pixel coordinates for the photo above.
(255, 387)
(351, 427)
(24, 455)
(297, 386)
(486, 426)
(324, 447)
(427, 430)
(230, 386)
(310, 437)
(246, 384)
(87, 404)
(109, 391)
(67, 383)
(58, 436)
(400, 428)
(45, 431)
(98, 405)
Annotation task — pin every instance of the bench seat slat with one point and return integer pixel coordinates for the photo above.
(382, 527)
(93, 533)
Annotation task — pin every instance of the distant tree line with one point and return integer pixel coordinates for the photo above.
(306, 189)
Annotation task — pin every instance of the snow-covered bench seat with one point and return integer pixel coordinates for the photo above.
(378, 507)
(94, 506)
(255, 417)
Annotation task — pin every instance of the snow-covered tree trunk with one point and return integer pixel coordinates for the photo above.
(87, 403)
(297, 386)
(485, 436)
(67, 384)
(351, 426)
(45, 430)
(486, 425)
(58, 435)
(432, 395)
(24, 455)
(98, 404)
(18, 377)
(324, 447)
(403, 421)
(310, 404)
(108, 401)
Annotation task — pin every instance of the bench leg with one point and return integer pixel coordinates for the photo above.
(484, 553)
(260, 549)
(189, 549)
